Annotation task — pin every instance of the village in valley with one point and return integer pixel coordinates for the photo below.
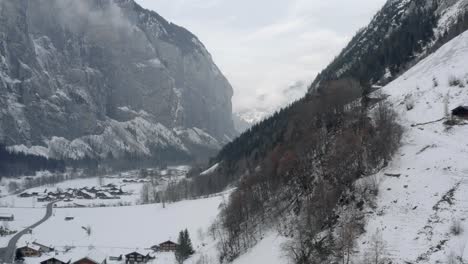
(105, 219)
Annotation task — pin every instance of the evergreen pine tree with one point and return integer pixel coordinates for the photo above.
(184, 249)
(188, 243)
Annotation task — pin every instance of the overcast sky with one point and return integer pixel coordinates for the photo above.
(269, 49)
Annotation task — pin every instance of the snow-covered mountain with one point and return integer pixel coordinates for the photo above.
(421, 208)
(418, 212)
(106, 77)
(417, 50)
(247, 118)
(399, 35)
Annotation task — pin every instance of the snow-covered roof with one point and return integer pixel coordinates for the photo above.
(6, 215)
(45, 258)
(94, 255)
(31, 246)
(42, 245)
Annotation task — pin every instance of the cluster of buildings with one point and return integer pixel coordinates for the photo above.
(109, 191)
(39, 250)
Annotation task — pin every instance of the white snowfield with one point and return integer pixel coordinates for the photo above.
(122, 230)
(416, 211)
(23, 218)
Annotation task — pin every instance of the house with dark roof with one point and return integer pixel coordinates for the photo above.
(55, 261)
(93, 257)
(29, 251)
(168, 246)
(138, 257)
(461, 111)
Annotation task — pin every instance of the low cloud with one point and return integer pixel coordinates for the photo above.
(265, 47)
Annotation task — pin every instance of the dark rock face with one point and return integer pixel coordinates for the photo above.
(94, 77)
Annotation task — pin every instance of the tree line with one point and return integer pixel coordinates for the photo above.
(331, 140)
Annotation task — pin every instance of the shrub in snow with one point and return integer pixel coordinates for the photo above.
(409, 102)
(454, 81)
(456, 227)
(435, 82)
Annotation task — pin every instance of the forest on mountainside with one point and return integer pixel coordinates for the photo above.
(299, 170)
(384, 49)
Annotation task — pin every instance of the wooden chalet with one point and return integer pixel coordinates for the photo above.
(55, 261)
(168, 246)
(7, 217)
(94, 257)
(461, 111)
(88, 260)
(29, 251)
(137, 257)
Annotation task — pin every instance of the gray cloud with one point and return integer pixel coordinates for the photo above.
(264, 47)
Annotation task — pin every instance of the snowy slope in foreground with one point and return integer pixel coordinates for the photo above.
(417, 210)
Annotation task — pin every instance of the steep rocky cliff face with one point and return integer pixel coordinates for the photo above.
(106, 77)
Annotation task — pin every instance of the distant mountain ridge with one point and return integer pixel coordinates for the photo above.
(99, 78)
(398, 36)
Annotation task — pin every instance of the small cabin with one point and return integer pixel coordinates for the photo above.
(168, 246)
(55, 261)
(29, 251)
(137, 257)
(7, 217)
(461, 111)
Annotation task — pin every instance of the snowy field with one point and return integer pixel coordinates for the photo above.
(24, 217)
(121, 230)
(417, 211)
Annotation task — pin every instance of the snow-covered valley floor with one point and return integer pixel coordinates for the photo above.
(121, 230)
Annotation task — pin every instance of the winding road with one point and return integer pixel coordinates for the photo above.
(7, 254)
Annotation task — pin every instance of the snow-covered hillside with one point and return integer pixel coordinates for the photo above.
(418, 213)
